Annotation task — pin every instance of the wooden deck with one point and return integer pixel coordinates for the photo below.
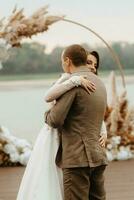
(119, 181)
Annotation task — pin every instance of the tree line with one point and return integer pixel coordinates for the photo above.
(32, 58)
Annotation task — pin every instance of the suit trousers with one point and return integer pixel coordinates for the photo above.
(84, 183)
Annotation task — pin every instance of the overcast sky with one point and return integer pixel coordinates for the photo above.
(112, 19)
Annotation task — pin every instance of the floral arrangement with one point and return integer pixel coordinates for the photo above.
(119, 120)
(13, 151)
(19, 26)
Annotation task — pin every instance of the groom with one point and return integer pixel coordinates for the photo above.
(78, 116)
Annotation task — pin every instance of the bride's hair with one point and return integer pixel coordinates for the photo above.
(96, 55)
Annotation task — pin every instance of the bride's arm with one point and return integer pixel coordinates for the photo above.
(64, 84)
(63, 77)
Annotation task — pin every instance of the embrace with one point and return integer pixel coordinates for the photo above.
(69, 159)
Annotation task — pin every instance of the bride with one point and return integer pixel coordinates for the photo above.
(42, 179)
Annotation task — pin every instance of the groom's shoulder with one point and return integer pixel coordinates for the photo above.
(100, 86)
(94, 77)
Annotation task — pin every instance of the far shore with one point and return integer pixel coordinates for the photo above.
(39, 83)
(25, 84)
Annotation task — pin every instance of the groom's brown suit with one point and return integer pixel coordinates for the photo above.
(79, 117)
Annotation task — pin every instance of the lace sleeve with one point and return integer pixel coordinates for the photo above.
(63, 77)
(60, 87)
(103, 129)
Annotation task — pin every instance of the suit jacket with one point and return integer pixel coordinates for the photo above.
(78, 116)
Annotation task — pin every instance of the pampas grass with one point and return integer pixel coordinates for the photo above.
(119, 120)
(19, 26)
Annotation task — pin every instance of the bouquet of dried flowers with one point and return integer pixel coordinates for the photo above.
(19, 26)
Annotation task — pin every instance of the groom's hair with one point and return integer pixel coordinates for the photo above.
(77, 54)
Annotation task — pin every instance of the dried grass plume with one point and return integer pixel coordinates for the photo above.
(19, 26)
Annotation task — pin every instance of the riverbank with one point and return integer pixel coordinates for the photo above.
(40, 83)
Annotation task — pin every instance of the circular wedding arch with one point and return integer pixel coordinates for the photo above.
(112, 52)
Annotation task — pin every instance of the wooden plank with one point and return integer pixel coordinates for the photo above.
(119, 181)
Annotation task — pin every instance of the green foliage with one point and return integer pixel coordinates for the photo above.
(32, 58)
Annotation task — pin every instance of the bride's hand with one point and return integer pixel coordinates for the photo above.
(87, 85)
(103, 140)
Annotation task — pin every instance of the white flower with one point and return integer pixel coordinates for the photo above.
(109, 155)
(14, 157)
(124, 153)
(21, 143)
(26, 149)
(116, 140)
(24, 157)
(9, 149)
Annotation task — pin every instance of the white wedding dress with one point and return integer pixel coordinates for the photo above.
(42, 179)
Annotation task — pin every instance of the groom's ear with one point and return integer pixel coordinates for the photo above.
(67, 61)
